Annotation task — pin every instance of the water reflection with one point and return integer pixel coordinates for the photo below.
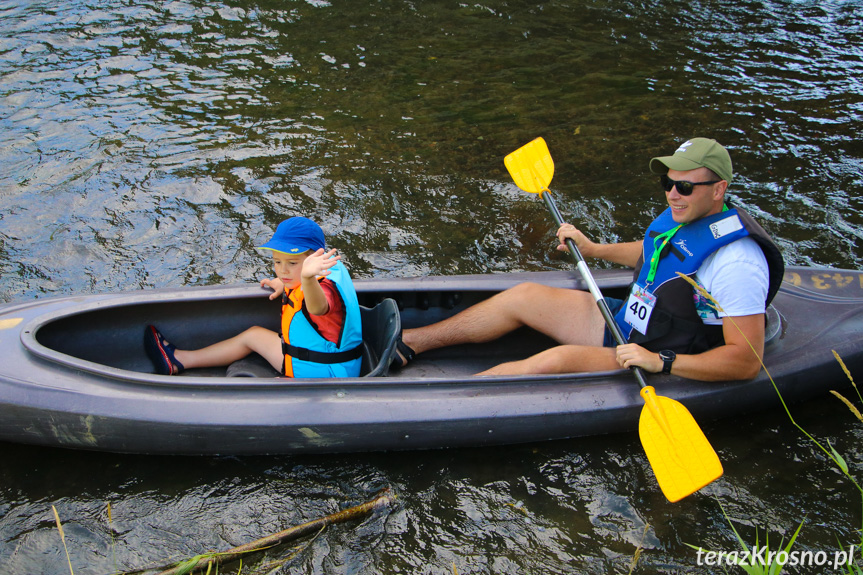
(154, 145)
(578, 506)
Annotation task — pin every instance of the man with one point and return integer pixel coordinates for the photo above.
(670, 327)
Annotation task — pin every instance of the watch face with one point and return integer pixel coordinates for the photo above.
(667, 356)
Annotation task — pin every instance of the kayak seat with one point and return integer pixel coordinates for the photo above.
(381, 328)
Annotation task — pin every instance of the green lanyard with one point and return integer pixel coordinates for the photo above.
(663, 238)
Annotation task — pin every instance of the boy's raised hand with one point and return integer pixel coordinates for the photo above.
(319, 263)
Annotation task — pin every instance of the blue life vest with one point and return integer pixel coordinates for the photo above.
(307, 352)
(675, 323)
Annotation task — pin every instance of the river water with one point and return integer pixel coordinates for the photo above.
(153, 144)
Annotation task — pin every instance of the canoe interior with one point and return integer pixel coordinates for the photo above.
(113, 336)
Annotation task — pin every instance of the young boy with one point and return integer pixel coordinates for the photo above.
(321, 332)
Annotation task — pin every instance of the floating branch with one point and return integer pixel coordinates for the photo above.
(383, 499)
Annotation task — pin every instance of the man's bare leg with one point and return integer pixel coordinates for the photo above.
(560, 359)
(567, 316)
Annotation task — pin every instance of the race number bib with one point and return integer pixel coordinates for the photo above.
(639, 307)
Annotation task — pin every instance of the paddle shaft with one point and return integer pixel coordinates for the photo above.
(591, 283)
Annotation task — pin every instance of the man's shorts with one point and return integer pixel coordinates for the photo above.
(614, 305)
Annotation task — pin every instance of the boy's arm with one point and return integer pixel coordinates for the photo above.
(274, 284)
(313, 295)
(317, 264)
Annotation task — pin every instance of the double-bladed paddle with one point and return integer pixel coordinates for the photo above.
(681, 457)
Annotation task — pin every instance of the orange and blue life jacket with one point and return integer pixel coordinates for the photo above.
(307, 352)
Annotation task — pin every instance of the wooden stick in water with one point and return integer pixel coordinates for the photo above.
(383, 499)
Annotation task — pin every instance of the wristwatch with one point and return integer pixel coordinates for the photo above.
(667, 356)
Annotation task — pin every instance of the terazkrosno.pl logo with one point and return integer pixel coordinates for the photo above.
(763, 556)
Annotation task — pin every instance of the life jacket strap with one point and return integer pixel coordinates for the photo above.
(304, 354)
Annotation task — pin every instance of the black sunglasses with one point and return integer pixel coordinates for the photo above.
(684, 188)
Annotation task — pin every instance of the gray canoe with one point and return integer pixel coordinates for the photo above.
(73, 372)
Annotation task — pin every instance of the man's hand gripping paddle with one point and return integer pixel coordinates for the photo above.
(681, 457)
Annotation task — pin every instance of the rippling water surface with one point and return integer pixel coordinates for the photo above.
(152, 144)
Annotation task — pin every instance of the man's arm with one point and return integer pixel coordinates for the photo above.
(625, 254)
(732, 361)
(735, 360)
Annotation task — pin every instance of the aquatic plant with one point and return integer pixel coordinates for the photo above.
(638, 550)
(755, 560)
(773, 564)
(63, 538)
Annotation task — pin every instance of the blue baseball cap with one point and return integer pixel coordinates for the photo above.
(295, 236)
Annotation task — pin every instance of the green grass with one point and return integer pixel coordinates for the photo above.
(774, 566)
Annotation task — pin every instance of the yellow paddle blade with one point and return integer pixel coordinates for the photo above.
(681, 457)
(531, 166)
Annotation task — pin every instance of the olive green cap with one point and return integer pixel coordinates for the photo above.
(693, 154)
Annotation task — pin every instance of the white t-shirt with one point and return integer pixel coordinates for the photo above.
(737, 276)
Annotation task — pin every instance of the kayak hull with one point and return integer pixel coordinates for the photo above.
(74, 373)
